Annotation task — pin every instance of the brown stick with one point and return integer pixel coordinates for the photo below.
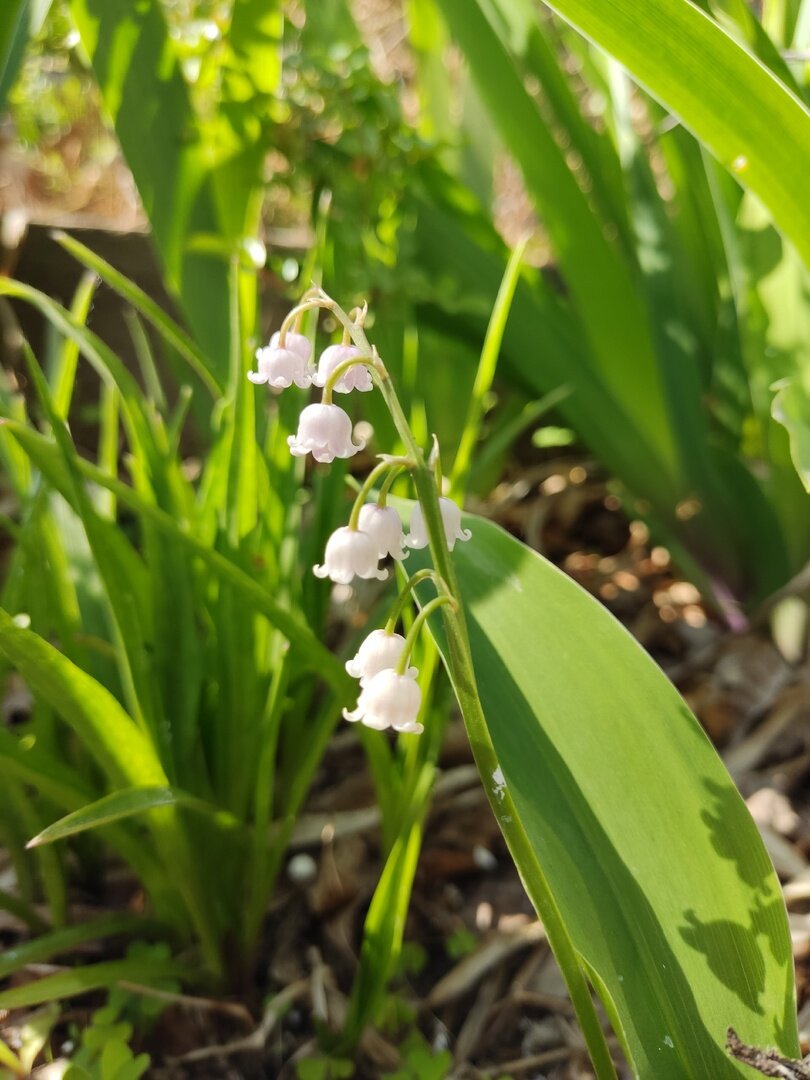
(767, 1062)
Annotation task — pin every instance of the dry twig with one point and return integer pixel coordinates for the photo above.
(767, 1062)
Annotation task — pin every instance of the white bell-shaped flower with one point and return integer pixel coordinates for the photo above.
(357, 377)
(379, 651)
(389, 700)
(350, 553)
(325, 431)
(384, 527)
(281, 368)
(297, 343)
(451, 518)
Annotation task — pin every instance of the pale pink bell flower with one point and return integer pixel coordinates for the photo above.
(389, 700)
(297, 343)
(357, 377)
(280, 368)
(350, 553)
(384, 527)
(451, 518)
(380, 650)
(325, 431)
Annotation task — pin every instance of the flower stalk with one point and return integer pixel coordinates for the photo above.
(462, 675)
(407, 589)
(391, 698)
(370, 483)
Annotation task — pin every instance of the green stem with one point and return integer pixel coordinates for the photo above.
(340, 371)
(293, 317)
(369, 483)
(418, 623)
(462, 675)
(411, 583)
(387, 484)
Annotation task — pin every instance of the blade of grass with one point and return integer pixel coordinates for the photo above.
(123, 804)
(81, 980)
(486, 369)
(307, 645)
(63, 377)
(55, 942)
(173, 334)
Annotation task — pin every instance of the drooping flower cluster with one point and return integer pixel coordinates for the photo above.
(390, 696)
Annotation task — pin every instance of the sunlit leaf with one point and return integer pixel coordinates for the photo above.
(651, 856)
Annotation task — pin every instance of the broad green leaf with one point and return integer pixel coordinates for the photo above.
(654, 863)
(723, 94)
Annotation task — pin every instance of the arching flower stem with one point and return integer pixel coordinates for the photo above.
(462, 676)
(293, 318)
(385, 487)
(407, 589)
(418, 622)
(367, 360)
(370, 481)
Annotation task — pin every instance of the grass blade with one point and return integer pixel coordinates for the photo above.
(486, 369)
(60, 941)
(66, 984)
(173, 334)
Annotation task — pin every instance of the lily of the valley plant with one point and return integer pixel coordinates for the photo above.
(389, 693)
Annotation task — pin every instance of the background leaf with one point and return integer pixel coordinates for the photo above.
(696, 69)
(19, 20)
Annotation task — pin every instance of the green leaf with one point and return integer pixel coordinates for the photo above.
(309, 648)
(61, 941)
(173, 334)
(723, 94)
(19, 21)
(80, 980)
(109, 733)
(122, 804)
(791, 408)
(486, 368)
(600, 280)
(114, 807)
(138, 71)
(653, 861)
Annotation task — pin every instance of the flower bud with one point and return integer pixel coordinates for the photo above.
(451, 519)
(357, 377)
(325, 431)
(379, 651)
(384, 527)
(389, 700)
(350, 553)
